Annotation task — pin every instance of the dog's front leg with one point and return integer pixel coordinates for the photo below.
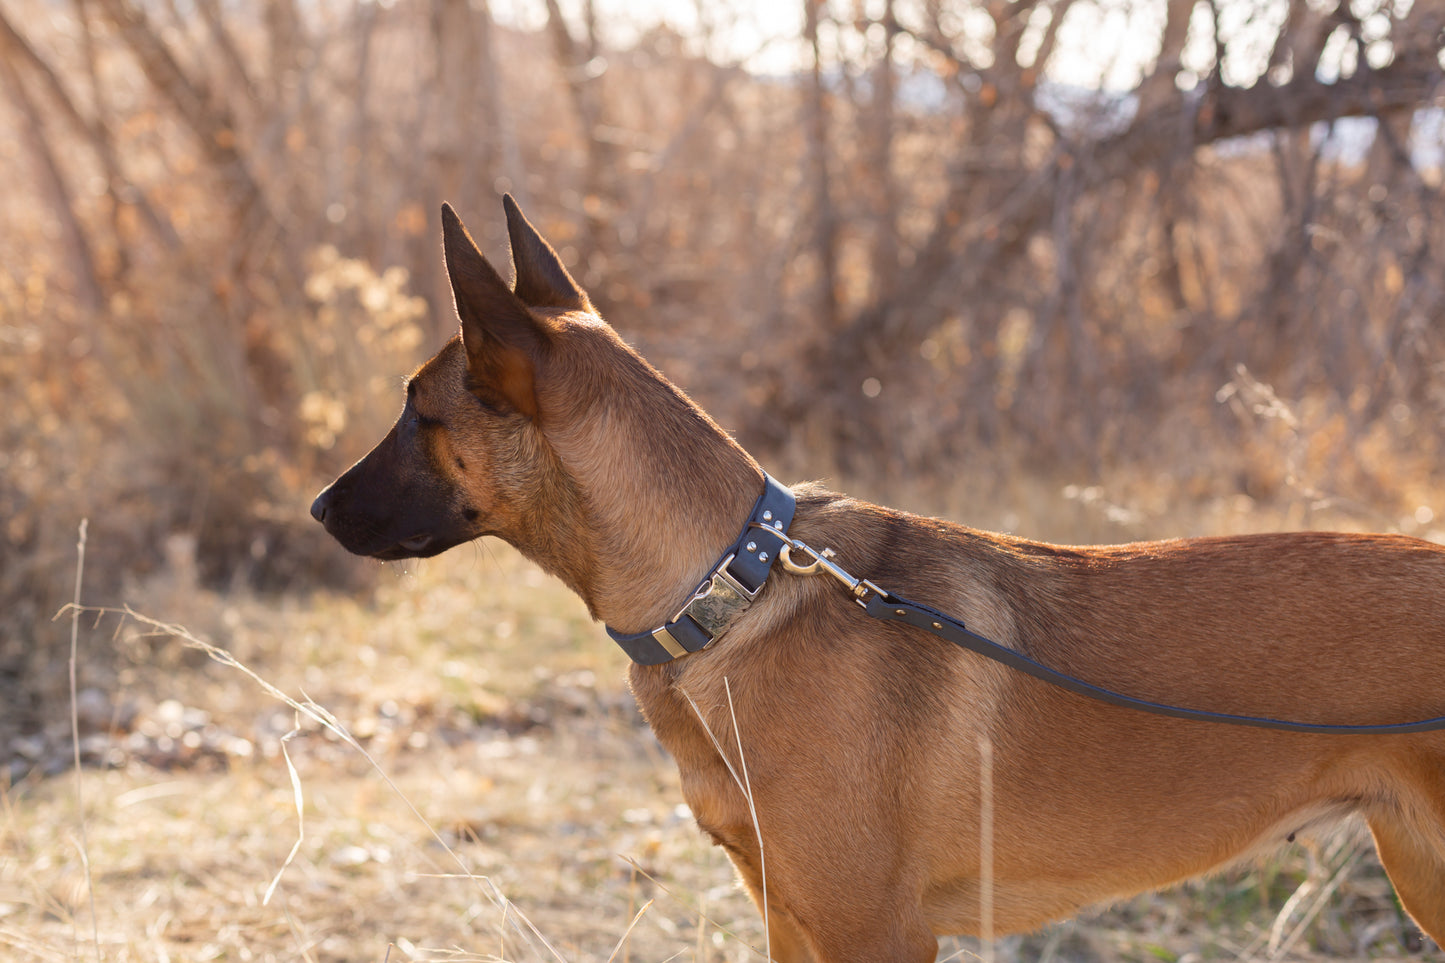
(812, 778)
(823, 882)
(873, 936)
(786, 942)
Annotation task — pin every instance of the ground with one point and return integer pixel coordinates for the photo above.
(488, 792)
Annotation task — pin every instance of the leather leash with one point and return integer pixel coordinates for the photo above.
(888, 607)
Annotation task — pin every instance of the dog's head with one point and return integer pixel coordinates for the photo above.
(536, 423)
(464, 449)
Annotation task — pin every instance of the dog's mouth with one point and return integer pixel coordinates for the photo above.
(417, 546)
(413, 547)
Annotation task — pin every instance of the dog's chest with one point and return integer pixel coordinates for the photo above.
(708, 786)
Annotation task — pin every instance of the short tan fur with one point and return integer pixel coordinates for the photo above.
(538, 425)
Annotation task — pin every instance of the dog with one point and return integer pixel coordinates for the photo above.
(874, 785)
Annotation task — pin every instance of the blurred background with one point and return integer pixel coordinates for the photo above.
(1087, 270)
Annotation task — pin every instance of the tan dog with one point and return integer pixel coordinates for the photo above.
(861, 739)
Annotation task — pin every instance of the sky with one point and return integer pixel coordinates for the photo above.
(762, 34)
(1104, 43)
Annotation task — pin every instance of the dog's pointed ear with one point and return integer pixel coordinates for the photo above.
(542, 281)
(504, 341)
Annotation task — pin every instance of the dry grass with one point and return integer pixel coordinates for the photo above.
(514, 792)
(522, 765)
(182, 861)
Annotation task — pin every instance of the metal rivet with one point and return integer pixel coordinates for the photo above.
(900, 612)
(762, 556)
(778, 526)
(752, 546)
(937, 626)
(767, 516)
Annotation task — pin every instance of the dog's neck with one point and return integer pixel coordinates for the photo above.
(663, 491)
(661, 548)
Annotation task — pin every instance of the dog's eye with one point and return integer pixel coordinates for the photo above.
(415, 421)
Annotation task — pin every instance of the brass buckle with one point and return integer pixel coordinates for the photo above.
(717, 604)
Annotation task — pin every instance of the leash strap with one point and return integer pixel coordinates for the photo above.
(890, 608)
(887, 607)
(729, 589)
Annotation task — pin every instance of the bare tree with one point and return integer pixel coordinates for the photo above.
(1027, 180)
(84, 276)
(825, 225)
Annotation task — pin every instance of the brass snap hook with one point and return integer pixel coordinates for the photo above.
(785, 557)
(863, 591)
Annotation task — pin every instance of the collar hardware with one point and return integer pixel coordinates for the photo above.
(862, 590)
(716, 605)
(727, 591)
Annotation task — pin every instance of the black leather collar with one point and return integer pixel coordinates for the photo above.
(729, 589)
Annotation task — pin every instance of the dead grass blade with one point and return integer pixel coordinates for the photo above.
(985, 848)
(681, 901)
(1312, 896)
(301, 944)
(747, 787)
(959, 954)
(300, 812)
(75, 737)
(628, 932)
(33, 948)
(744, 786)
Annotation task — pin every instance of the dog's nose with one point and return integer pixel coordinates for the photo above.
(320, 506)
